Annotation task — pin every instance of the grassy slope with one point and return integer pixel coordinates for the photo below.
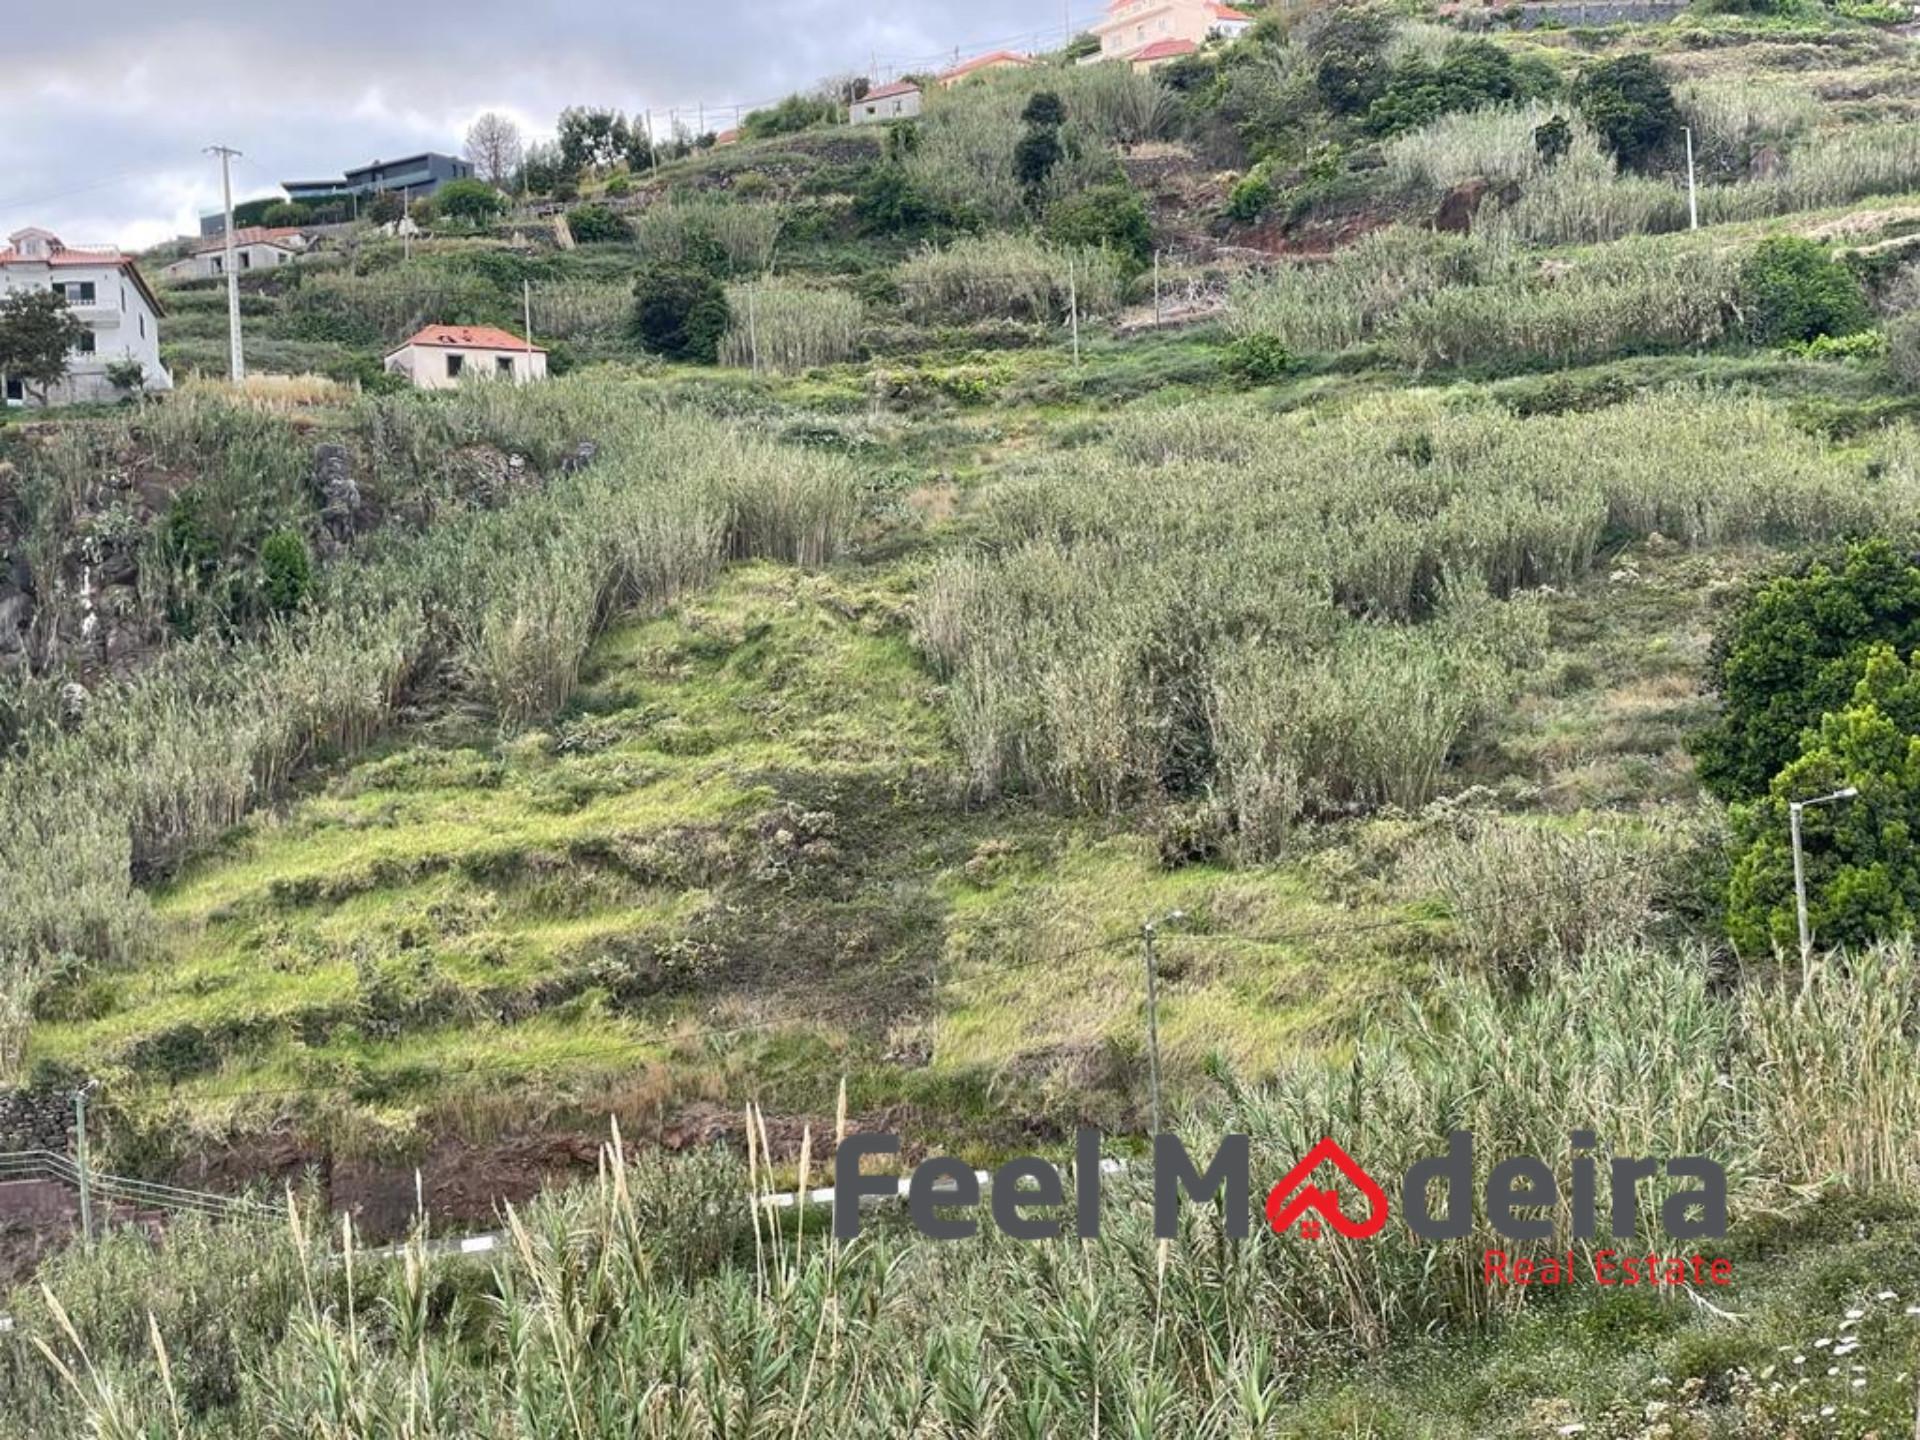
(742, 863)
(748, 823)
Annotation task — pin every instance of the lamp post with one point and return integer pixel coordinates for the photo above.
(1794, 810)
(1147, 933)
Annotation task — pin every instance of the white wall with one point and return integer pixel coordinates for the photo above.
(124, 327)
(877, 112)
(246, 258)
(426, 365)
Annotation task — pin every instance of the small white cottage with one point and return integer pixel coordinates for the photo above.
(442, 357)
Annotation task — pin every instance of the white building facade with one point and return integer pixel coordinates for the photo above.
(253, 249)
(445, 357)
(107, 293)
(898, 101)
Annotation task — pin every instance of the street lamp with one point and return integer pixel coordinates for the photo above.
(1794, 809)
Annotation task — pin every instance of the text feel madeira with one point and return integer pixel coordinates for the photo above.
(1520, 1198)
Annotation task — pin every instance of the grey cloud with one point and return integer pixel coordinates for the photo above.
(102, 126)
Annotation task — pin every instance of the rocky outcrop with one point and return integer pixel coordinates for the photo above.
(339, 496)
(35, 1120)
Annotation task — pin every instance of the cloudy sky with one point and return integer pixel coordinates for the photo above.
(105, 110)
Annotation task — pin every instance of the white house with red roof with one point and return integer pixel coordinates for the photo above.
(255, 247)
(899, 101)
(444, 357)
(1152, 32)
(106, 291)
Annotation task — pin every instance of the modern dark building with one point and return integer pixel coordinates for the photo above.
(417, 176)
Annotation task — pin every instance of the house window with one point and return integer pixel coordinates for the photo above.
(77, 292)
(16, 392)
(503, 365)
(219, 264)
(85, 345)
(246, 259)
(143, 327)
(455, 364)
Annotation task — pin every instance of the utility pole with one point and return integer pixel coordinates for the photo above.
(236, 360)
(1794, 811)
(1153, 1020)
(1693, 190)
(1073, 307)
(753, 327)
(80, 1159)
(526, 301)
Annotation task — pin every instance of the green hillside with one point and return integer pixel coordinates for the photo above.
(1321, 500)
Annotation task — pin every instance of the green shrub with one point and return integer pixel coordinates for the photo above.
(286, 572)
(680, 311)
(790, 116)
(1106, 217)
(1035, 155)
(470, 202)
(890, 202)
(287, 214)
(1552, 139)
(1251, 197)
(1347, 47)
(1469, 74)
(1792, 289)
(1628, 101)
(619, 187)
(597, 225)
(1794, 651)
(1862, 345)
(1260, 359)
(1863, 869)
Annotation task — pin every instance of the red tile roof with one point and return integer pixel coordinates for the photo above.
(887, 92)
(1227, 12)
(470, 337)
(250, 235)
(998, 57)
(1165, 50)
(67, 256)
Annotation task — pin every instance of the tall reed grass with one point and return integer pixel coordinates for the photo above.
(1001, 277)
(1290, 617)
(748, 234)
(790, 327)
(1493, 144)
(513, 597)
(963, 155)
(665, 1299)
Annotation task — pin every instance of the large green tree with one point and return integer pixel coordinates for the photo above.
(38, 335)
(680, 311)
(1794, 651)
(1862, 864)
(1630, 103)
